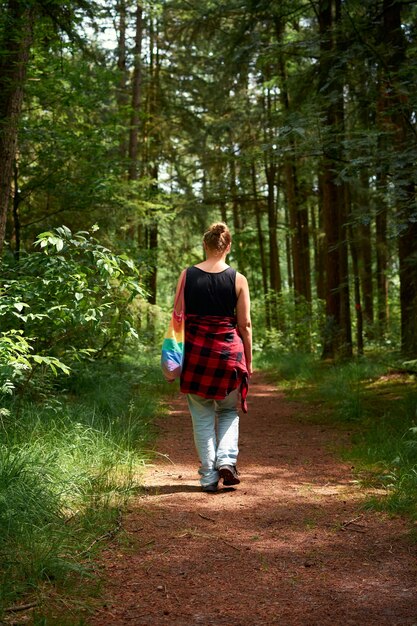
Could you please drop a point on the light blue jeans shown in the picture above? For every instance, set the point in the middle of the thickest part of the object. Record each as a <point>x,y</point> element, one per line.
<point>214,450</point>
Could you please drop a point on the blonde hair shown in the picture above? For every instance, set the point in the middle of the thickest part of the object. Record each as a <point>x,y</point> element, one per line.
<point>217,237</point>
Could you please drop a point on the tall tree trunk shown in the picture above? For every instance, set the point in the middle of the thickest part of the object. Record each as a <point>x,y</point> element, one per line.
<point>362,213</point>
<point>122,92</point>
<point>407,249</point>
<point>16,217</point>
<point>288,254</point>
<point>274,265</point>
<point>136,96</point>
<point>403,176</point>
<point>381,212</point>
<point>365,254</point>
<point>356,275</point>
<point>321,256</point>
<point>153,151</point>
<point>237,217</point>
<point>152,241</point>
<point>300,245</point>
<point>270,169</point>
<point>16,46</point>
<point>357,293</point>
<point>338,337</point>
<point>261,244</point>
<point>223,211</point>
<point>298,215</point>
<point>382,256</point>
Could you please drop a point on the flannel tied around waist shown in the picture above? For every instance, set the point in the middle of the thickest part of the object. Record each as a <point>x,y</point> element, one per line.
<point>214,358</point>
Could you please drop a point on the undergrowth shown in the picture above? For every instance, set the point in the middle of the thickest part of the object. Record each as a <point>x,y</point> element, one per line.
<point>385,447</point>
<point>69,459</point>
<point>377,399</point>
<point>293,369</point>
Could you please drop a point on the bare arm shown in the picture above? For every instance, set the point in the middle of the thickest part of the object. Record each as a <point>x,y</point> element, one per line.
<point>243,317</point>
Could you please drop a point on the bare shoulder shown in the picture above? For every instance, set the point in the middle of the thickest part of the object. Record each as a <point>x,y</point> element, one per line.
<point>241,283</point>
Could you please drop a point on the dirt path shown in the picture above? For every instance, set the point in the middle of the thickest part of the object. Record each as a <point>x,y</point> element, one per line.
<point>289,546</point>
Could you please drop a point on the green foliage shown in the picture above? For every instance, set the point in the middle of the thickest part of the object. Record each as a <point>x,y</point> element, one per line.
<point>68,301</point>
<point>67,465</point>
<point>16,361</point>
<point>71,166</point>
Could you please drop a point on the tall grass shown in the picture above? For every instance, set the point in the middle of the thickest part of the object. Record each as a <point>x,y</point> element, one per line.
<point>344,386</point>
<point>67,464</point>
<point>291,369</point>
<point>386,448</point>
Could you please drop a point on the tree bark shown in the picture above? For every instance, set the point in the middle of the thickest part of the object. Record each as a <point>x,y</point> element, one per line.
<point>288,255</point>
<point>122,92</point>
<point>353,244</point>
<point>357,292</point>
<point>274,269</point>
<point>270,168</point>
<point>237,218</point>
<point>320,257</point>
<point>381,213</point>
<point>407,249</point>
<point>261,244</point>
<point>136,97</point>
<point>274,264</point>
<point>16,216</point>
<point>298,216</point>
<point>338,335</point>
<point>400,115</point>
<point>14,59</point>
<point>152,135</point>
<point>365,254</point>
<point>382,256</point>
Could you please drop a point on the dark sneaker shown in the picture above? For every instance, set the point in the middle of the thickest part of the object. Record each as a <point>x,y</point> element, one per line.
<point>229,474</point>
<point>209,488</point>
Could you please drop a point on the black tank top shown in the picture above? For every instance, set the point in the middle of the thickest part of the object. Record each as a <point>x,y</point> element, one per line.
<point>210,293</point>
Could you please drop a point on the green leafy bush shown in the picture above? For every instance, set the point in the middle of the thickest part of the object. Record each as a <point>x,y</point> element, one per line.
<point>67,300</point>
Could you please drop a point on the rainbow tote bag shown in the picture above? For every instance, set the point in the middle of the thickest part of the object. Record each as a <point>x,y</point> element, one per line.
<point>172,355</point>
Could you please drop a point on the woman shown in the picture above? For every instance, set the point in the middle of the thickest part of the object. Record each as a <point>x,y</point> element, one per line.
<point>218,356</point>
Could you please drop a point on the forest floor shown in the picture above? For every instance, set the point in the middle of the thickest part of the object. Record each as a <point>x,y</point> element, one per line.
<point>290,545</point>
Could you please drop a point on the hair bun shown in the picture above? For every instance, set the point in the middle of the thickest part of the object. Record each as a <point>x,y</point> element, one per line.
<point>217,237</point>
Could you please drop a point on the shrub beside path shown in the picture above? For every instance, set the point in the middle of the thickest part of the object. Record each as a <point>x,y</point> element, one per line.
<point>290,545</point>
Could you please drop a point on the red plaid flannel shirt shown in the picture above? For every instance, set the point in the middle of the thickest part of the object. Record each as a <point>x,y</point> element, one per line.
<point>214,358</point>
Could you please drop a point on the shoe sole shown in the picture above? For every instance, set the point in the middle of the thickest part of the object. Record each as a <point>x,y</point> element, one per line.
<point>229,478</point>
<point>209,489</point>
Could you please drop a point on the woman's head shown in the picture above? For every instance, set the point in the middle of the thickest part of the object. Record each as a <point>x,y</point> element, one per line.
<point>217,238</point>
